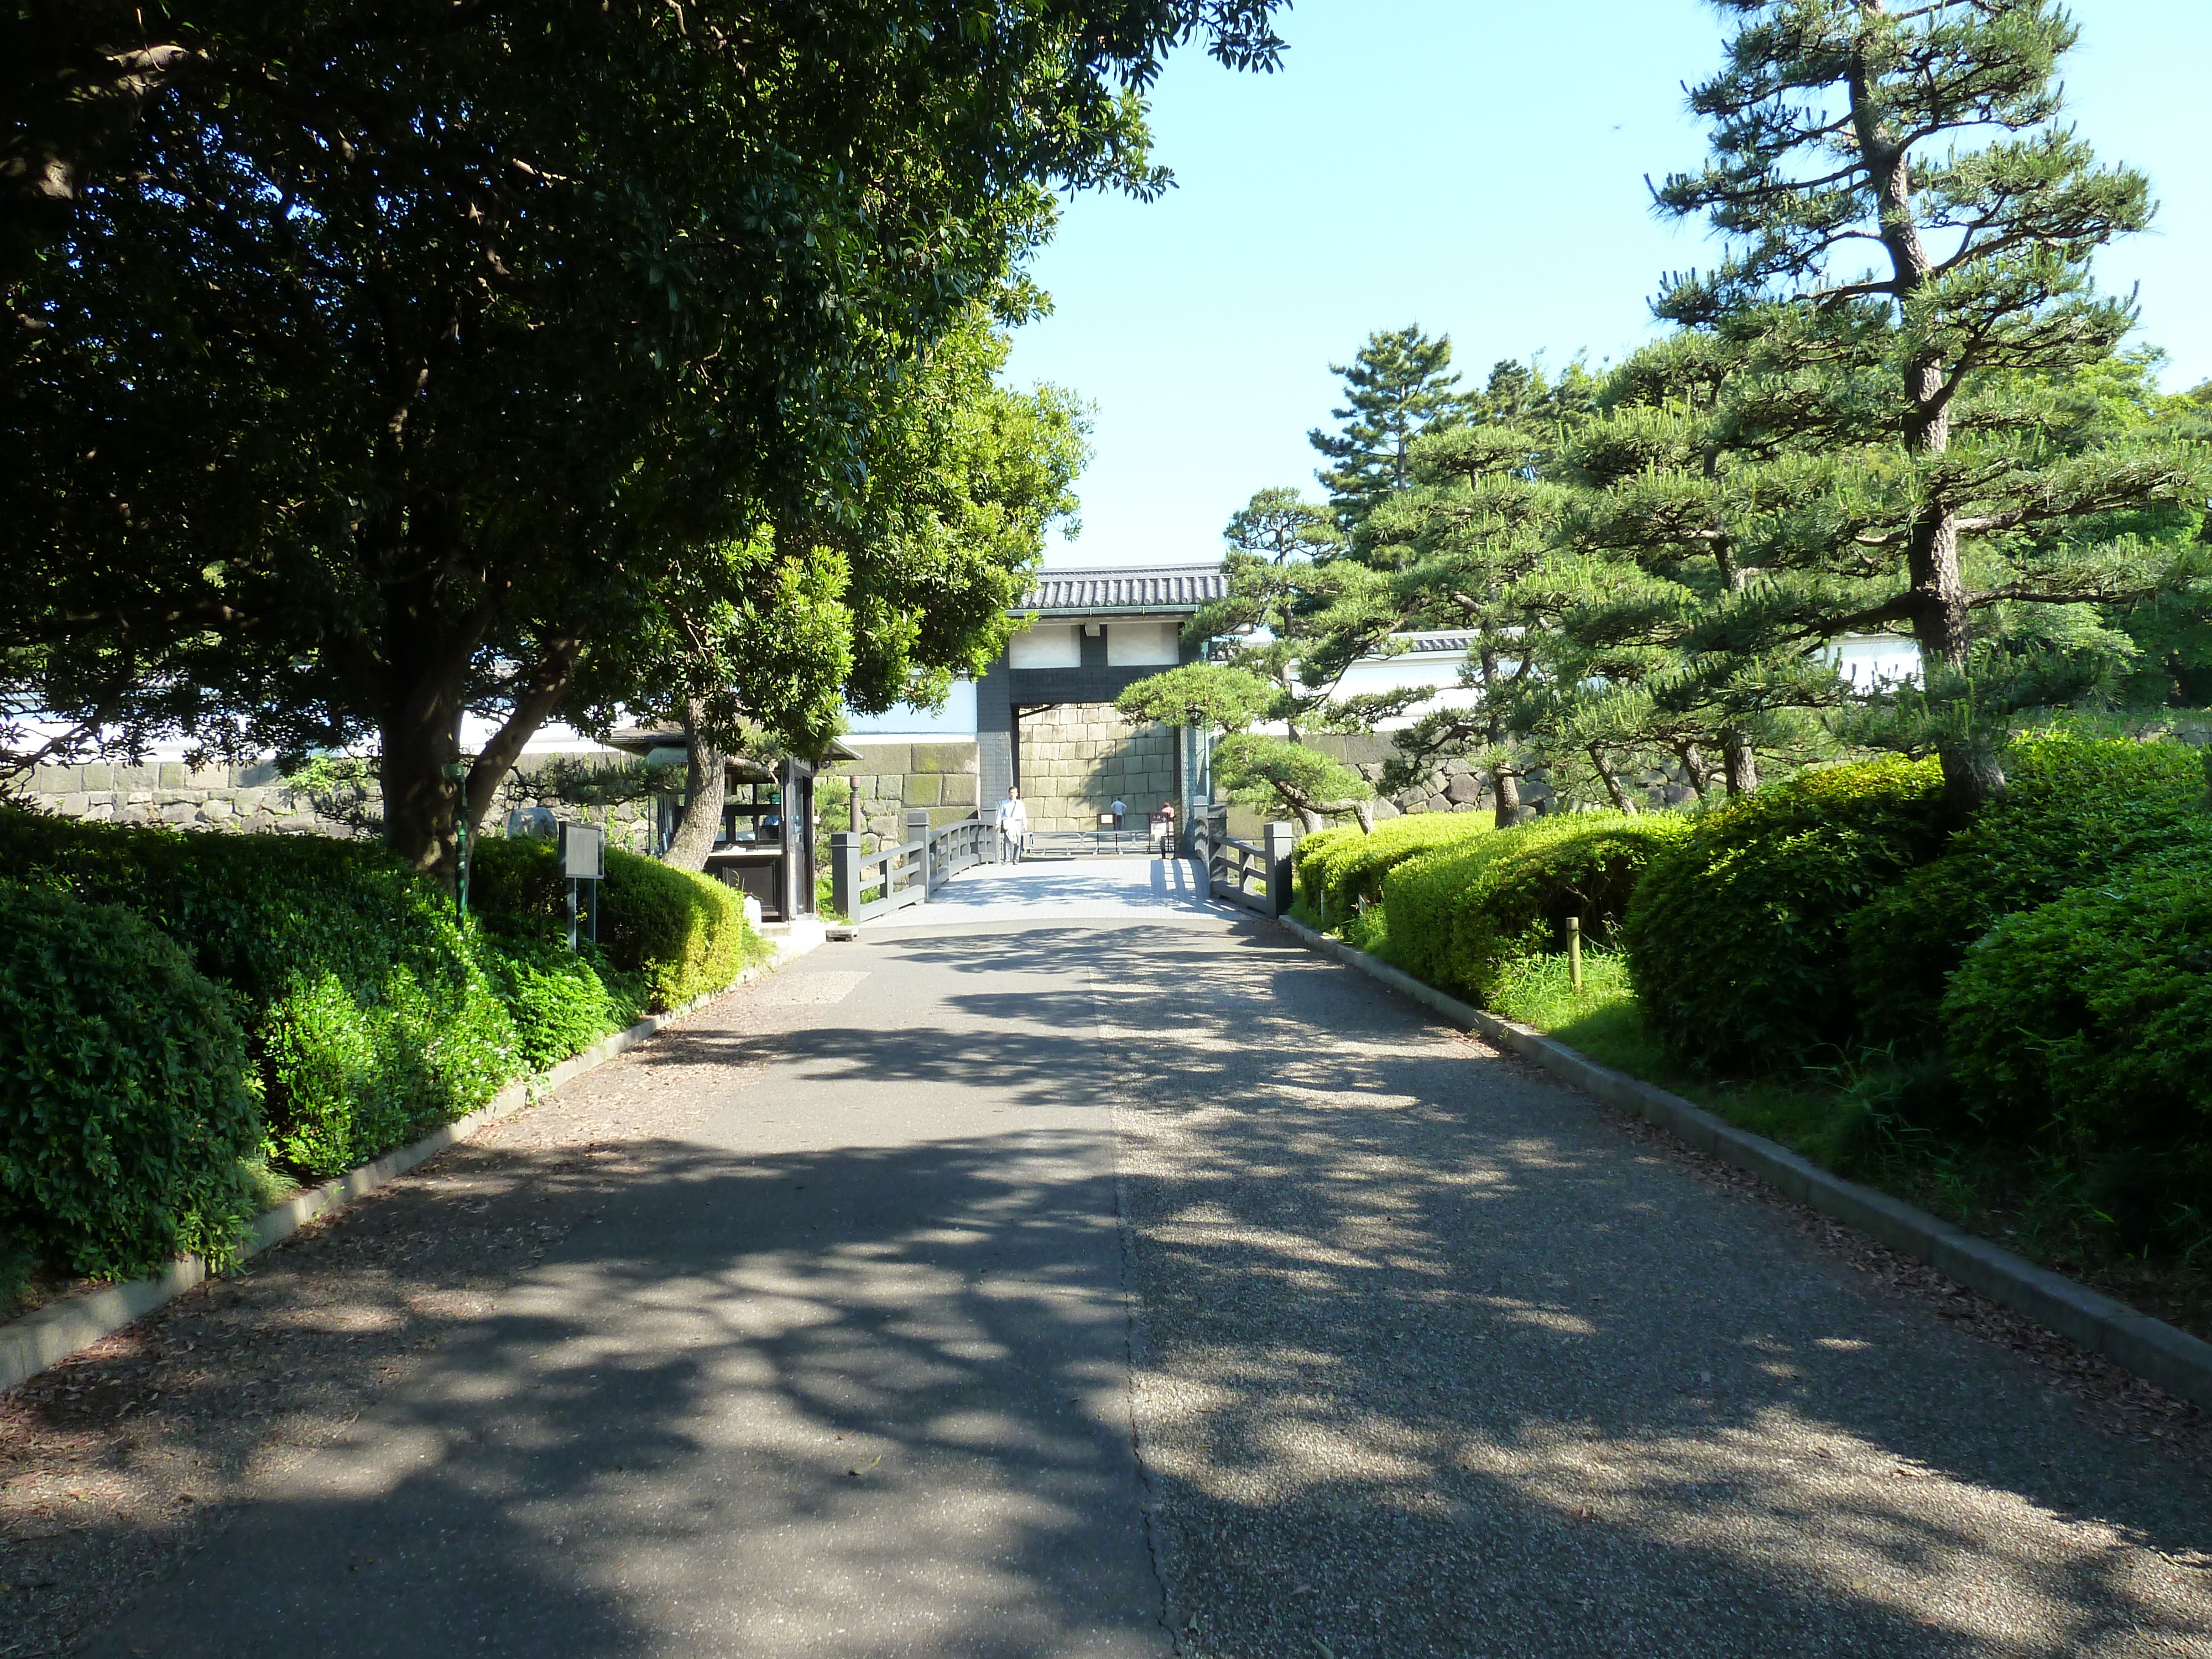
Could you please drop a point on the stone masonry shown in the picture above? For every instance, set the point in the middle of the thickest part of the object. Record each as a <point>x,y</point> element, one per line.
<point>257,799</point>
<point>1077,759</point>
<point>891,778</point>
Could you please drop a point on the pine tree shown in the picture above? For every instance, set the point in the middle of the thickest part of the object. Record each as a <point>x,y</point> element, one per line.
<point>1921,464</point>
<point>1401,386</point>
<point>1660,522</point>
<point>1278,647</point>
<point>1478,523</point>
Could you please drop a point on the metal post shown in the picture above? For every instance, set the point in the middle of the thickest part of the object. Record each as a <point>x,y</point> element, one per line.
<point>572,915</point>
<point>844,871</point>
<point>1279,839</point>
<point>917,829</point>
<point>1575,952</point>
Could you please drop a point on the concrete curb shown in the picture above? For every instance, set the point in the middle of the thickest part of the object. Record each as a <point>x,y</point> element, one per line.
<point>2151,1348</point>
<point>31,1344</point>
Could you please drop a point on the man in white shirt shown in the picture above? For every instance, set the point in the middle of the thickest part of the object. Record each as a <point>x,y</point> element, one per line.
<point>1014,824</point>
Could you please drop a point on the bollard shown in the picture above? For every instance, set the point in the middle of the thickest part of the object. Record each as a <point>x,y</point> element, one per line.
<point>1575,952</point>
<point>1279,839</point>
<point>845,871</point>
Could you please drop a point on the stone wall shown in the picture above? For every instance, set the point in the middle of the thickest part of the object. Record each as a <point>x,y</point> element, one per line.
<point>1077,759</point>
<point>256,798</point>
<point>892,778</point>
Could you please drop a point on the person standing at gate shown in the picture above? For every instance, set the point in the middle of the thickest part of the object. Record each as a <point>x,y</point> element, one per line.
<point>1164,821</point>
<point>1014,824</point>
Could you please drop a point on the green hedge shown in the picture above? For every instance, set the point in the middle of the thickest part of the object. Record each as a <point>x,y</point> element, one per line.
<point>2075,808</point>
<point>684,936</point>
<point>366,1009</point>
<point>129,1104</point>
<point>561,1004</point>
<point>1339,869</point>
<point>2089,1018</point>
<point>1460,914</point>
<point>1736,940</point>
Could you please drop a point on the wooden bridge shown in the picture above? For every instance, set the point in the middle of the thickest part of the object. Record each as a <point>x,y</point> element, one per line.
<point>1218,868</point>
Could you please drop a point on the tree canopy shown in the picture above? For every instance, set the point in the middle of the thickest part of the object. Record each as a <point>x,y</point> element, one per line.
<point>367,366</point>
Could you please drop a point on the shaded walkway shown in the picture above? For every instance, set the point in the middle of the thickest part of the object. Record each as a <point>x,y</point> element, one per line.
<point>834,1358</point>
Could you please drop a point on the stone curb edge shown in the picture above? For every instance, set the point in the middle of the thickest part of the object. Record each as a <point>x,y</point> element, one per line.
<point>37,1340</point>
<point>2151,1348</point>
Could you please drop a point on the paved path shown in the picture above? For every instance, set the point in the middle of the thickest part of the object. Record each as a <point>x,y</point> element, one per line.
<point>1431,1358</point>
<point>1038,889</point>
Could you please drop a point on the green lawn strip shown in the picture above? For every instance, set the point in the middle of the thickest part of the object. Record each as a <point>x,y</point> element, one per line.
<point>1823,1114</point>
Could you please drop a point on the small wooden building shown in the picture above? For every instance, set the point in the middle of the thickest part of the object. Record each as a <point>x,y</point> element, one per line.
<point>765,845</point>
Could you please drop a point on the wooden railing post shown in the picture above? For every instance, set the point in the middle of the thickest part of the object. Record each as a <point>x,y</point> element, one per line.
<point>844,871</point>
<point>1278,840</point>
<point>917,829</point>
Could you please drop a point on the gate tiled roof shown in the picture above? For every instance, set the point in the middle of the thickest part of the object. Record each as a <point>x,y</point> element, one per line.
<point>1161,588</point>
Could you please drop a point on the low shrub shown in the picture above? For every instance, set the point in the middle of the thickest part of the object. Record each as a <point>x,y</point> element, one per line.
<point>2087,1021</point>
<point>1339,870</point>
<point>684,935</point>
<point>367,1013</point>
<point>128,1107</point>
<point>561,1004</point>
<point>2075,808</point>
<point>1736,937</point>
<point>1459,915</point>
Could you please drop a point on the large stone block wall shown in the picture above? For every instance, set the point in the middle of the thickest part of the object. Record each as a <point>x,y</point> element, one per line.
<point>236,799</point>
<point>891,779</point>
<point>1077,759</point>
<point>256,798</point>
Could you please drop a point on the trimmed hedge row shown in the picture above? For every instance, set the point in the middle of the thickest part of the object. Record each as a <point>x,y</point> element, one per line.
<point>2087,1021</point>
<point>1339,870</point>
<point>683,935</point>
<point>1737,941</point>
<point>130,1104</point>
<point>2074,810</point>
<point>1459,914</point>
<point>310,1002</point>
<point>364,1004</point>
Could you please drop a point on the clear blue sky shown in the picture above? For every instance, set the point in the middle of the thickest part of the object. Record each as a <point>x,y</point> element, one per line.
<point>1476,166</point>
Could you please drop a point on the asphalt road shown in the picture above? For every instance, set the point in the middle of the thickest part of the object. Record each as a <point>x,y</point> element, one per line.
<point>1431,1357</point>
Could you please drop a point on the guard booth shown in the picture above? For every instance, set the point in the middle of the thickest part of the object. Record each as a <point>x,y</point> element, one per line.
<point>765,846</point>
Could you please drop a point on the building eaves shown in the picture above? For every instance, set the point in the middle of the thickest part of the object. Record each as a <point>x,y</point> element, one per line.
<point>1135,590</point>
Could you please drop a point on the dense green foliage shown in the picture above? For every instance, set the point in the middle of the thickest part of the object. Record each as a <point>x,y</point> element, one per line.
<point>171,1003</point>
<point>1340,869</point>
<point>2075,810</point>
<point>1921,442</point>
<point>368,1015</point>
<point>2085,1024</point>
<point>1736,940</point>
<point>1461,912</point>
<point>561,1004</point>
<point>761,235</point>
<point>129,1107</point>
<point>684,935</point>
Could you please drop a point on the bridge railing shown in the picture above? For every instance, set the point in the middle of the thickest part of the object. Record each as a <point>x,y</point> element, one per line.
<point>1256,876</point>
<point>959,846</point>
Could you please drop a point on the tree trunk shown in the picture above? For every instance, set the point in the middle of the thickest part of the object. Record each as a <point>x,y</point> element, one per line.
<point>1742,764</point>
<point>419,741</point>
<point>1972,773</point>
<point>419,737</point>
<point>1506,787</point>
<point>1695,771</point>
<point>709,772</point>
<point>540,697</point>
<point>1613,786</point>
